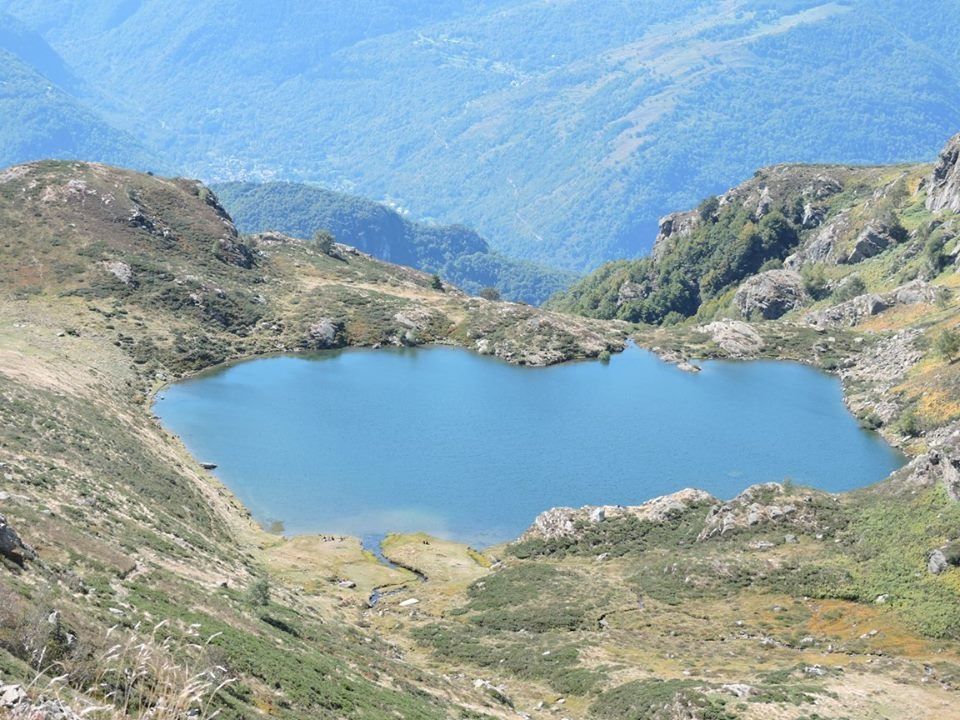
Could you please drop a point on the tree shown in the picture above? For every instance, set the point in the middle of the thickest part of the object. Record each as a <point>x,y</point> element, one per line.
<point>708,208</point>
<point>815,281</point>
<point>324,241</point>
<point>947,344</point>
<point>435,282</point>
<point>258,594</point>
<point>490,293</point>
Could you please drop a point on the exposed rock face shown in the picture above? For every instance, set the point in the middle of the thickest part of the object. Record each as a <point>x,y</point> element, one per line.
<point>734,337</point>
<point>11,546</point>
<point>854,311</point>
<point>234,252</point>
<point>673,226</point>
<point>873,240</point>
<point>770,294</point>
<point>630,291</point>
<point>943,191</point>
<point>823,246</point>
<point>763,504</point>
<point>881,367</point>
<point>563,521</point>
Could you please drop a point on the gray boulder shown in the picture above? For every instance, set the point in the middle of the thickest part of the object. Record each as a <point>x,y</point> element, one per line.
<point>943,185</point>
<point>937,562</point>
<point>11,546</point>
<point>770,294</point>
<point>873,240</point>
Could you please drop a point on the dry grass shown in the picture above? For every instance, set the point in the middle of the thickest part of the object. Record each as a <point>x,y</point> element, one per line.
<point>142,676</point>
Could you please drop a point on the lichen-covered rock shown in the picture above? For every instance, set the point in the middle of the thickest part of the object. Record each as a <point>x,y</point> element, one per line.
<point>563,521</point>
<point>937,562</point>
<point>735,337</point>
<point>943,186</point>
<point>771,294</point>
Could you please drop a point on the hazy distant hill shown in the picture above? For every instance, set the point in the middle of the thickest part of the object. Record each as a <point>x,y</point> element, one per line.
<point>40,115</point>
<point>560,131</point>
<point>456,252</point>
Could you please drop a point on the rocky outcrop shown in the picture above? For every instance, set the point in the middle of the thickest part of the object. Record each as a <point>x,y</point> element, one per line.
<point>879,368</point>
<point>768,504</point>
<point>11,546</point>
<point>16,704</point>
<point>822,248</point>
<point>675,225</point>
<point>325,333</point>
<point>854,311</point>
<point>563,521</point>
<point>234,252</point>
<point>771,294</point>
<point>735,337</point>
<point>943,185</point>
<point>873,240</point>
<point>630,291</point>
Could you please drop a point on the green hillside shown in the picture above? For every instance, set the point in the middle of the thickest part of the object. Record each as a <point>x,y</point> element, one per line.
<point>456,253</point>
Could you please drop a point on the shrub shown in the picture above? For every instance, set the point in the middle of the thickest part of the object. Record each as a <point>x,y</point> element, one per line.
<point>324,241</point>
<point>850,288</point>
<point>258,594</point>
<point>947,344</point>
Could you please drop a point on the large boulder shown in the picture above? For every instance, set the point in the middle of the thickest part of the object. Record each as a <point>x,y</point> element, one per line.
<point>11,546</point>
<point>770,294</point>
<point>734,337</point>
<point>943,185</point>
<point>873,240</point>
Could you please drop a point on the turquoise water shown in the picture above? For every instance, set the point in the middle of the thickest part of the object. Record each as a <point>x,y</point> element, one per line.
<point>468,447</point>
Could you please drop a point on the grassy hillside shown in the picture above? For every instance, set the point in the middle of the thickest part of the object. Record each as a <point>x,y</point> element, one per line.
<point>114,283</point>
<point>561,131</point>
<point>457,253</point>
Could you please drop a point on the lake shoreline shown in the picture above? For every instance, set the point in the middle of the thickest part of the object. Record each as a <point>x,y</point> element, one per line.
<point>263,515</point>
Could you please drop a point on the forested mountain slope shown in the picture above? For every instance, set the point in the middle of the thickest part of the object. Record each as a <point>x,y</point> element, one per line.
<point>560,131</point>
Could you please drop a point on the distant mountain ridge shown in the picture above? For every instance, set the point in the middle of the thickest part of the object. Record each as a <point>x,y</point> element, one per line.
<point>455,252</point>
<point>560,131</point>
